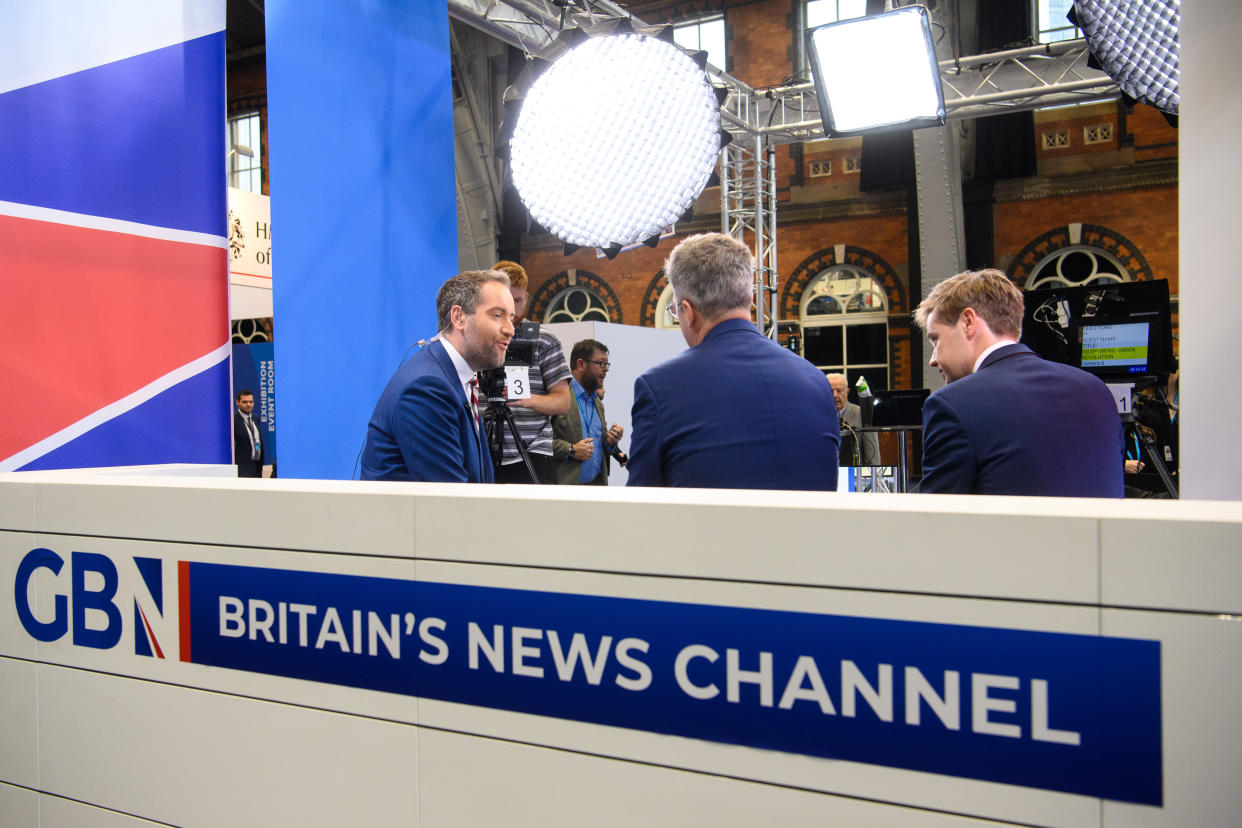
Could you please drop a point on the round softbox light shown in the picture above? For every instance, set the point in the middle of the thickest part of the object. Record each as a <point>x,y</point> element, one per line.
<point>615,141</point>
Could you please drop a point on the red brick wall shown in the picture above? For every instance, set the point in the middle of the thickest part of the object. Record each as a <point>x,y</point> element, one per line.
<point>1073,120</point>
<point>1153,137</point>
<point>758,49</point>
<point>883,235</point>
<point>628,275</point>
<point>1147,217</point>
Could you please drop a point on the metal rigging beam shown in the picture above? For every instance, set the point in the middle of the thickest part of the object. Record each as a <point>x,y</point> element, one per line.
<point>1015,80</point>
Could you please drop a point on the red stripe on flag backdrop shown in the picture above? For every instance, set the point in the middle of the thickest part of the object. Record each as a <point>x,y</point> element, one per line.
<point>90,316</point>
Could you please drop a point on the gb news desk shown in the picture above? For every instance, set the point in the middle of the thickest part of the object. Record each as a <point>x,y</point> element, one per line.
<point>204,651</point>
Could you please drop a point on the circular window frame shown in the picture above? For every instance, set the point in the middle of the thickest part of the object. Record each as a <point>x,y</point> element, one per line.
<point>595,304</point>
<point>1037,281</point>
<point>1034,255</point>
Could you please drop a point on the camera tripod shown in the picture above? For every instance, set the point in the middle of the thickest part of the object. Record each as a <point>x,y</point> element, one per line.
<point>1149,451</point>
<point>496,418</point>
<point>1146,436</point>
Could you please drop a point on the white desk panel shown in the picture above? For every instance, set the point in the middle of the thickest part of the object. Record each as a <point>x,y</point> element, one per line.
<point>19,807</point>
<point>190,757</point>
<point>14,641</point>
<point>19,717</point>
<point>1201,662</point>
<point>56,812</point>
<point>16,504</point>
<point>282,514</point>
<point>899,542</point>
<point>1172,563</point>
<point>537,787</point>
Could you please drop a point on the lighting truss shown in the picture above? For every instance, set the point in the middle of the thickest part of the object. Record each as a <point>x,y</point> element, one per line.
<point>1053,74</point>
<point>531,25</point>
<point>748,204</point>
<point>1010,81</point>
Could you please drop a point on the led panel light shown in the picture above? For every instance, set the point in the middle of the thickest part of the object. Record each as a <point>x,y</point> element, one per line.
<point>615,141</point>
<point>876,72</point>
<point>1136,43</point>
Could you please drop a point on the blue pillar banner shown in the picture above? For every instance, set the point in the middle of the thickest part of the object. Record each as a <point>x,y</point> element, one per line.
<point>254,370</point>
<point>361,136</point>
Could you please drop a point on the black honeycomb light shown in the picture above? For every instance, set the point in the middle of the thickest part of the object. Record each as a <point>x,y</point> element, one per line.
<point>1136,43</point>
<point>615,139</point>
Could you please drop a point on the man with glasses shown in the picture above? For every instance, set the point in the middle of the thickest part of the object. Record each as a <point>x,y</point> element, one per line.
<point>579,442</point>
<point>736,410</point>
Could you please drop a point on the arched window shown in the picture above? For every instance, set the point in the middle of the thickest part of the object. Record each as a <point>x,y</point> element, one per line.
<point>1077,265</point>
<point>663,312</point>
<point>575,295</point>
<point>844,316</point>
<point>247,331</point>
<point>576,304</point>
<point>1078,255</point>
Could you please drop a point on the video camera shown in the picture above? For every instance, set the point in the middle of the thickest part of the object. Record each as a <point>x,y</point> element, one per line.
<point>521,353</point>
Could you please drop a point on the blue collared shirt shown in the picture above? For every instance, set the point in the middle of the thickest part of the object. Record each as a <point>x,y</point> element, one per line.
<point>592,426</point>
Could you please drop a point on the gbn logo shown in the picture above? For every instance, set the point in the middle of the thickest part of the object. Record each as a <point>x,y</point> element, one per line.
<point>91,606</point>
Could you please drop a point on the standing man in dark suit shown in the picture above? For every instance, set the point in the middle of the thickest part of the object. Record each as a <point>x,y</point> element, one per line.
<point>247,444</point>
<point>736,410</point>
<point>580,444</point>
<point>1009,422</point>
<point>426,424</point>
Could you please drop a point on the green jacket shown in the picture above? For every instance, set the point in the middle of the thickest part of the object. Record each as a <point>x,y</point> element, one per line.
<point>567,430</point>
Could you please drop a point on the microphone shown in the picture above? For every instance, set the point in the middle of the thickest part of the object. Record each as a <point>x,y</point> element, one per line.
<point>843,427</point>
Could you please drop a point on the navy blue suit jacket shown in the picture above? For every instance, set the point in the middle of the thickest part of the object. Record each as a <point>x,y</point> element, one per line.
<point>423,429</point>
<point>737,411</point>
<point>1021,425</point>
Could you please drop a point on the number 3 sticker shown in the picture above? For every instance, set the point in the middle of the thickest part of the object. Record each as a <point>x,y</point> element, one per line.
<point>517,378</point>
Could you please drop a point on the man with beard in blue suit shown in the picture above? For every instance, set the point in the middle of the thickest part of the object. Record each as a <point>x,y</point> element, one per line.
<point>1009,422</point>
<point>736,410</point>
<point>426,424</point>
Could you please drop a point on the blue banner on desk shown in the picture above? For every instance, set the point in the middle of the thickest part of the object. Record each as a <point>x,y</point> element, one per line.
<point>1061,712</point>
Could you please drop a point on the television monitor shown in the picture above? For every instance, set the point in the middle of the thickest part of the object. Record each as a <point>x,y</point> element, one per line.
<point>902,407</point>
<point>1114,348</point>
<point>1119,331</point>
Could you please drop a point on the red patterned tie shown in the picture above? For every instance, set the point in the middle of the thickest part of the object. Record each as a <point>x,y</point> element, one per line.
<point>474,401</point>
